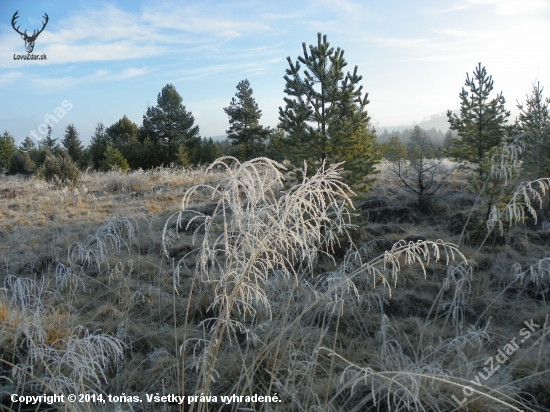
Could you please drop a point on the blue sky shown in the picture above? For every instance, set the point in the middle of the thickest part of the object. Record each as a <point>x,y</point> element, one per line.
<point>110,59</point>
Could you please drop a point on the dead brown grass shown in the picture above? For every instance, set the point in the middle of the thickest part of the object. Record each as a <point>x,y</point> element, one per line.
<point>323,360</point>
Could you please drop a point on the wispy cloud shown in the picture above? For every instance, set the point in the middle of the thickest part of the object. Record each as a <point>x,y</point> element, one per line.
<point>99,76</point>
<point>193,20</point>
<point>509,7</point>
<point>227,69</point>
<point>524,38</point>
<point>515,7</point>
<point>280,16</point>
<point>343,6</point>
<point>10,77</point>
<point>432,11</point>
<point>402,42</point>
<point>111,34</point>
<point>429,49</point>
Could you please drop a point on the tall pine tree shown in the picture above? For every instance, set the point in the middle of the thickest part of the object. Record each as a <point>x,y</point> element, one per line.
<point>98,144</point>
<point>122,132</point>
<point>48,142</point>
<point>534,121</point>
<point>244,128</point>
<point>482,121</point>
<point>7,149</point>
<point>123,135</point>
<point>72,143</point>
<point>169,125</point>
<point>325,117</point>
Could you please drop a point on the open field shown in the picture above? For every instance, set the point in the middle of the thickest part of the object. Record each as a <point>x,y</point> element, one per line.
<point>325,301</point>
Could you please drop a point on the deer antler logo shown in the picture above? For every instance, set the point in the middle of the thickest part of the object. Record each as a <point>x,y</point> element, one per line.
<point>29,40</point>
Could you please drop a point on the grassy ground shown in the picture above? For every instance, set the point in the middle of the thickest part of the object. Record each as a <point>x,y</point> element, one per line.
<point>268,290</point>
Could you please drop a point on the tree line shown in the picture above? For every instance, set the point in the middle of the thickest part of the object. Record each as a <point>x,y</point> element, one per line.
<point>436,135</point>
<point>168,135</point>
<point>323,121</point>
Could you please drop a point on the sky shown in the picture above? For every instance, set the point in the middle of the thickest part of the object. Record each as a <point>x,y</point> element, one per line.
<point>110,59</point>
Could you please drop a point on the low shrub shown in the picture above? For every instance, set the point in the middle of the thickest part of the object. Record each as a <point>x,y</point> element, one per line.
<point>114,160</point>
<point>21,163</point>
<point>60,170</point>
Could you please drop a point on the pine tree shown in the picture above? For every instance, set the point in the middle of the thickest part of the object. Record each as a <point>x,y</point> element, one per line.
<point>123,135</point>
<point>7,149</point>
<point>113,159</point>
<point>72,143</point>
<point>481,125</point>
<point>534,121</point>
<point>447,142</point>
<point>98,144</point>
<point>144,154</point>
<point>385,136</point>
<point>48,142</point>
<point>170,125</point>
<point>225,147</point>
<point>393,150</point>
<point>27,145</point>
<point>276,149</point>
<point>495,189</point>
<point>122,132</point>
<point>360,153</point>
<point>244,128</point>
<point>209,151</point>
<point>325,119</point>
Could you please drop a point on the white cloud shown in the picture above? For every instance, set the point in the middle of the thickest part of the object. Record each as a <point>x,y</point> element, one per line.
<point>228,69</point>
<point>507,7</point>
<point>195,21</point>
<point>345,6</point>
<point>10,77</point>
<point>98,76</point>
<point>514,7</point>
<point>111,34</point>
<point>445,10</point>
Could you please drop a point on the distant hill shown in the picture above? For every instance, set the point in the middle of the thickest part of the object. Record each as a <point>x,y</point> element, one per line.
<point>437,121</point>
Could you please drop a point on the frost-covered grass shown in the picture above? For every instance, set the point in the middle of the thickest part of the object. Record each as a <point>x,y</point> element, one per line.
<point>224,281</point>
